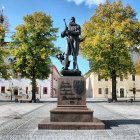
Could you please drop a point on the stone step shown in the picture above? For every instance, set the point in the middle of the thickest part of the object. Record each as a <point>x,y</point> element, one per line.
<point>47,124</point>
<point>71,109</point>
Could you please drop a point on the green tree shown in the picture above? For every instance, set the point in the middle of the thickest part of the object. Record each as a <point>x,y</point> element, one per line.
<point>3,29</point>
<point>112,32</point>
<point>32,47</point>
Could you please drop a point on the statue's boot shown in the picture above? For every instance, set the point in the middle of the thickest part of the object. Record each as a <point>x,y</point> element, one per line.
<point>74,66</point>
<point>68,64</point>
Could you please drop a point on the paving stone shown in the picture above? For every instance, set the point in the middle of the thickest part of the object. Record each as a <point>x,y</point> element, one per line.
<point>120,125</point>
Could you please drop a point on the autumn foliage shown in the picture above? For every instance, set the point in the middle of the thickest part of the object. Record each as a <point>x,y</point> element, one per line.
<point>112,33</point>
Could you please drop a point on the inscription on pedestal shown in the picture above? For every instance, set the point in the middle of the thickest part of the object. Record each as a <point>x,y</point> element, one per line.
<point>71,91</point>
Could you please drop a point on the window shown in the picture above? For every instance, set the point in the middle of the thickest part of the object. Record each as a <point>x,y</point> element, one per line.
<point>15,91</point>
<point>121,92</point>
<point>100,90</point>
<point>106,90</point>
<point>99,77</point>
<point>26,90</point>
<point>133,77</point>
<point>2,89</point>
<point>134,90</point>
<point>121,78</point>
<point>44,90</point>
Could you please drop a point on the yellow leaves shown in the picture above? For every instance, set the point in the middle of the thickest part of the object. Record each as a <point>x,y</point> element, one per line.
<point>96,40</point>
<point>87,28</point>
<point>106,47</point>
<point>125,24</point>
<point>98,57</point>
<point>109,32</point>
<point>2,33</point>
<point>2,29</point>
<point>85,47</point>
<point>39,21</point>
<point>20,33</point>
<point>130,12</point>
<point>116,25</point>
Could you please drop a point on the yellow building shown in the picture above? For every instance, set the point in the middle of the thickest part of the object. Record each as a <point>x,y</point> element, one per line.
<point>102,88</point>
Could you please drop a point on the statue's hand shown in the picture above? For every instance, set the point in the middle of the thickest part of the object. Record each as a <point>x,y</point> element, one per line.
<point>67,33</point>
<point>63,34</point>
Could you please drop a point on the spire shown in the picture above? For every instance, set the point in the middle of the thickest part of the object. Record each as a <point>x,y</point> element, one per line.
<point>1,15</point>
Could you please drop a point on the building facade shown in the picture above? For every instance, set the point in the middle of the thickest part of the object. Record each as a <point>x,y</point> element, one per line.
<point>102,88</point>
<point>54,82</point>
<point>21,87</point>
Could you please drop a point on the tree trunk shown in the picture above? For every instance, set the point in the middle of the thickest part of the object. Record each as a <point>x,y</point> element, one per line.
<point>33,90</point>
<point>114,97</point>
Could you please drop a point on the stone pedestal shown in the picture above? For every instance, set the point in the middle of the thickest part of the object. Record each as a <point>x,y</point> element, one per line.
<point>71,114</point>
<point>71,111</point>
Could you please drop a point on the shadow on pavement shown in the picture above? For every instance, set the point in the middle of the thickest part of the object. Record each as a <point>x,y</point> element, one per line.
<point>115,123</point>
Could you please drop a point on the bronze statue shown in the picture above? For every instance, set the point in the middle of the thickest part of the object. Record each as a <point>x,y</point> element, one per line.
<point>72,33</point>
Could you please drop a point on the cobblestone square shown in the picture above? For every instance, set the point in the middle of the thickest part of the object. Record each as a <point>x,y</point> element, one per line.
<point>19,121</point>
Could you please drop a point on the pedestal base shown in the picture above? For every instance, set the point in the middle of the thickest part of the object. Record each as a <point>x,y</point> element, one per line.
<point>70,113</point>
<point>71,73</point>
<point>47,124</point>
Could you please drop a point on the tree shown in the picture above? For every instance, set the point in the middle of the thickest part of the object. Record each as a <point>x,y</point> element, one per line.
<point>3,29</point>
<point>32,47</point>
<point>111,33</point>
<point>138,66</point>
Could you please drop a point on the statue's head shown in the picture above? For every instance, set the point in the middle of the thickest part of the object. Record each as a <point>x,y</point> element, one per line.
<point>72,19</point>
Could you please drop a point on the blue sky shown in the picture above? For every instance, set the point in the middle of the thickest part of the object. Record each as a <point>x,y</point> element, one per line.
<point>58,9</point>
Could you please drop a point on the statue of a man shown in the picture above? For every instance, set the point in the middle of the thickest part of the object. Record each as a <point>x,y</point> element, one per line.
<point>72,33</point>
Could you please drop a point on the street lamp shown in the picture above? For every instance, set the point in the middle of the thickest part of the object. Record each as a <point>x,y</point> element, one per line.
<point>11,87</point>
<point>11,91</point>
<point>40,92</point>
<point>126,94</point>
<point>134,90</point>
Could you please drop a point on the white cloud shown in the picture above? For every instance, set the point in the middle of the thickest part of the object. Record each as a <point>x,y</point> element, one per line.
<point>77,2</point>
<point>87,2</point>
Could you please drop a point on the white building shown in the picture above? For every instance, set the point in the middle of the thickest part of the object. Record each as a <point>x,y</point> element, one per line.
<point>21,88</point>
<point>102,88</point>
